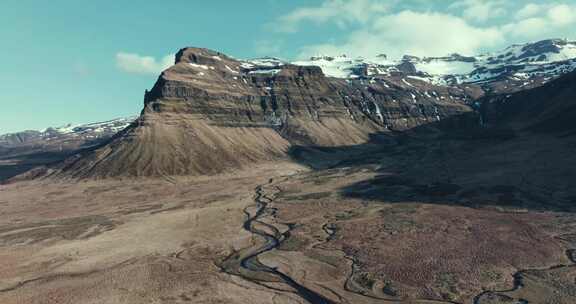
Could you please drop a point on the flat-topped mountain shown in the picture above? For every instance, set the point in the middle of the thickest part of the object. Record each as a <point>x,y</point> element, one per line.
<point>209,113</point>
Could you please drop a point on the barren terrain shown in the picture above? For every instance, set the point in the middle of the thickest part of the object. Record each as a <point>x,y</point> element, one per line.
<point>419,218</point>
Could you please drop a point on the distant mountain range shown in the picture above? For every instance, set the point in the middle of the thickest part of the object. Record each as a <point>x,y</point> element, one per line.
<point>63,139</point>
<point>546,58</point>
<point>84,131</point>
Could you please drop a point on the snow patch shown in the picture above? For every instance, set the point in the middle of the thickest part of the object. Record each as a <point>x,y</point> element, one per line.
<point>270,71</point>
<point>407,83</point>
<point>231,70</point>
<point>199,66</point>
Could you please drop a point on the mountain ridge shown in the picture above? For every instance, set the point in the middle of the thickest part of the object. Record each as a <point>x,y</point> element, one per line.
<point>107,126</point>
<point>522,61</point>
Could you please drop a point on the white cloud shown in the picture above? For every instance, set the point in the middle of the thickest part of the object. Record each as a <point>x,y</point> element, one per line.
<point>138,64</point>
<point>341,12</point>
<point>529,10</point>
<point>530,27</point>
<point>414,28</point>
<point>562,14</point>
<point>414,33</point>
<point>480,10</point>
<point>535,21</point>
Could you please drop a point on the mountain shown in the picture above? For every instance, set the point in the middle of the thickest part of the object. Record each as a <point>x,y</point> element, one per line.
<point>65,134</point>
<point>523,63</point>
<point>550,108</point>
<point>514,68</point>
<point>25,150</point>
<point>60,140</point>
<point>211,113</point>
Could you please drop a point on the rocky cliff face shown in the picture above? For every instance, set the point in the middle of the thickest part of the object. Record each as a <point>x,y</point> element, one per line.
<point>211,113</point>
<point>284,96</point>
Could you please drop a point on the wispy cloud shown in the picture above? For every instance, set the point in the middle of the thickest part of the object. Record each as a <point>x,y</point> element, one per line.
<point>145,65</point>
<point>529,10</point>
<point>414,33</point>
<point>542,20</point>
<point>481,10</point>
<point>341,12</point>
<point>367,27</point>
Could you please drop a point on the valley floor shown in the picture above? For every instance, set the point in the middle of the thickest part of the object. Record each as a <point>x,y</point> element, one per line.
<point>409,221</point>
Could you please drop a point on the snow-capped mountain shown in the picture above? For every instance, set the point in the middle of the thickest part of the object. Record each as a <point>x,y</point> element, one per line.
<point>85,132</point>
<point>544,59</point>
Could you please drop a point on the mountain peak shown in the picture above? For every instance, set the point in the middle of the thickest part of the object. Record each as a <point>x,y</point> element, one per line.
<point>546,46</point>
<point>198,55</point>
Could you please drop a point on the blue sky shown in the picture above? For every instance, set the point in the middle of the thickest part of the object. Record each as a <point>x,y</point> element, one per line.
<point>84,61</point>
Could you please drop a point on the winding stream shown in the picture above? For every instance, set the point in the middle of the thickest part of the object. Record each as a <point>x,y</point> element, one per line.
<point>248,257</point>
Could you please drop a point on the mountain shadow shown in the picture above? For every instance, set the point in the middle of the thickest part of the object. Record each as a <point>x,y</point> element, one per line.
<point>458,162</point>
